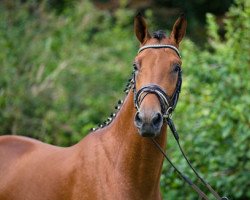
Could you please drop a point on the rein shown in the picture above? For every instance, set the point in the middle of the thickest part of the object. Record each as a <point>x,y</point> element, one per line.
<point>168,105</point>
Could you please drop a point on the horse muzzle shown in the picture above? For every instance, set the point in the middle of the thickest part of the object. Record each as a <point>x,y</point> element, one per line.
<point>148,125</point>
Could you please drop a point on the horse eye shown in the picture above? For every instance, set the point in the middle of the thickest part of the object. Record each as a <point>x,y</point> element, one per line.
<point>135,66</point>
<point>177,68</point>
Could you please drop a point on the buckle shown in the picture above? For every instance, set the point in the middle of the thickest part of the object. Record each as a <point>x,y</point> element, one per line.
<point>168,113</point>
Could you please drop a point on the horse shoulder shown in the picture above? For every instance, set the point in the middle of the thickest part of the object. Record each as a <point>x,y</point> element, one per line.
<point>13,147</point>
<point>31,168</point>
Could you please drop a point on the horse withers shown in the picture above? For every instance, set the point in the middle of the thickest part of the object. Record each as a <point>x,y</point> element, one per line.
<point>116,161</point>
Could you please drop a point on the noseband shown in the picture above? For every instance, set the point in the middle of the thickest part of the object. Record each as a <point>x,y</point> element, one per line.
<point>168,103</point>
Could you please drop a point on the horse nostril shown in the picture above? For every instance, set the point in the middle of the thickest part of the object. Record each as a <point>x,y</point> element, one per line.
<point>138,119</point>
<point>147,125</point>
<point>157,120</point>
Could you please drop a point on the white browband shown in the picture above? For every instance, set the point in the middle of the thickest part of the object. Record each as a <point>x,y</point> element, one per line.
<point>156,46</point>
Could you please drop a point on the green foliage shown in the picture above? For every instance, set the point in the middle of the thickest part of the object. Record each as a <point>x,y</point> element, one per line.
<point>213,113</point>
<point>62,74</point>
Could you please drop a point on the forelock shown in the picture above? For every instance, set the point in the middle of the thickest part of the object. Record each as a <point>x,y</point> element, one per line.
<point>160,34</point>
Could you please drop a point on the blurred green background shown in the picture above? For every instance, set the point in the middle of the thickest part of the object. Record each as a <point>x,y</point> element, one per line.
<point>64,64</point>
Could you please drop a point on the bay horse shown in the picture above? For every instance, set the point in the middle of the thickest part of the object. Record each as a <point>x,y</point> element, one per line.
<point>116,161</point>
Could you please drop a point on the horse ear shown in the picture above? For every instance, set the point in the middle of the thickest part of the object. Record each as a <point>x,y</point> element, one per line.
<point>179,29</point>
<point>140,28</point>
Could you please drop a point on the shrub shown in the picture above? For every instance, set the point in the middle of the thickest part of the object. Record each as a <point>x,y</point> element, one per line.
<point>61,73</point>
<point>213,112</point>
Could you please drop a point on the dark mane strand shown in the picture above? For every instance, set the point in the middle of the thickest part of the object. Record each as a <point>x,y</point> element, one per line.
<point>160,34</point>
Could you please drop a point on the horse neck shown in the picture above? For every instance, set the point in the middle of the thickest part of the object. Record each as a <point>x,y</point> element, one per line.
<point>138,160</point>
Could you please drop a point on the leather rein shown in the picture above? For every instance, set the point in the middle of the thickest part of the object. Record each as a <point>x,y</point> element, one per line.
<point>168,105</point>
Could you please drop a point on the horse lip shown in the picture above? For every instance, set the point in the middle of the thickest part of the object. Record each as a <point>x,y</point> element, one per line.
<point>148,131</point>
<point>151,135</point>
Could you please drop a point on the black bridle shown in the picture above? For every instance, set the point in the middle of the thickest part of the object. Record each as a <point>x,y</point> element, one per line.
<point>168,104</point>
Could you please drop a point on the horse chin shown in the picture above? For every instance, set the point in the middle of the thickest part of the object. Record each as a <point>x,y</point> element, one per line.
<point>149,133</point>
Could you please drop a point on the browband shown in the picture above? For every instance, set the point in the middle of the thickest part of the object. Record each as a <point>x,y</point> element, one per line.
<point>157,46</point>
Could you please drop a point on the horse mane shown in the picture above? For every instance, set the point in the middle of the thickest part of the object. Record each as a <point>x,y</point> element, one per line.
<point>160,34</point>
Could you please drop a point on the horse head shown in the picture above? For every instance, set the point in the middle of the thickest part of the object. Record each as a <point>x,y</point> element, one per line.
<point>157,75</point>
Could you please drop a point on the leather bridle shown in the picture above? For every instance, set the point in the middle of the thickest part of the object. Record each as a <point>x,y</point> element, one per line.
<point>168,104</point>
